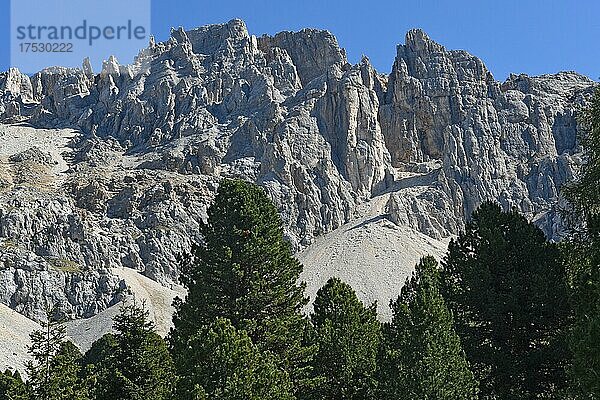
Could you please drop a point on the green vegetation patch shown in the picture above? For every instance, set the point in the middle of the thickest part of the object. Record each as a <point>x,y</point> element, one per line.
<point>64,265</point>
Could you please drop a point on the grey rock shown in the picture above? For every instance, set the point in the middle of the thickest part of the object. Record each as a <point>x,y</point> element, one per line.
<point>439,134</point>
<point>312,51</point>
<point>33,154</point>
<point>492,138</point>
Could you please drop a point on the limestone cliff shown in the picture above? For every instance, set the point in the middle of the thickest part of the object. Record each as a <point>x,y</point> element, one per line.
<point>134,153</point>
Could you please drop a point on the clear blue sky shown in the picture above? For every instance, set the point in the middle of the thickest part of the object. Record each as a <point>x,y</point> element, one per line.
<point>534,37</point>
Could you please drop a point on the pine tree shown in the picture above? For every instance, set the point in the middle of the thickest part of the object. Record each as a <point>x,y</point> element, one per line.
<point>585,334</point>
<point>102,351</point>
<point>506,286</point>
<point>584,193</point>
<point>98,362</point>
<point>67,367</point>
<point>584,254</point>
<point>222,363</point>
<point>139,367</point>
<point>54,371</point>
<point>347,335</point>
<point>422,357</point>
<point>244,271</point>
<point>12,386</point>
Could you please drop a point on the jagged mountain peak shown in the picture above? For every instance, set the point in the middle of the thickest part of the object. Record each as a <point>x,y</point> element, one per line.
<point>418,41</point>
<point>209,38</point>
<point>130,179</point>
<point>561,83</point>
<point>312,51</point>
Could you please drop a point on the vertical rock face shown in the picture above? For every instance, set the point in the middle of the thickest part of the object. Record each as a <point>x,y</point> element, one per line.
<point>438,136</point>
<point>348,119</point>
<point>312,51</point>
<point>503,142</point>
<point>15,90</point>
<point>13,83</point>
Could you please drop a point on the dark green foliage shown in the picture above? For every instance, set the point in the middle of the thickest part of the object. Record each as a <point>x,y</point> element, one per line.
<point>223,364</point>
<point>244,271</point>
<point>12,386</point>
<point>585,336</point>
<point>102,351</point>
<point>584,254</point>
<point>584,194</point>
<point>134,364</point>
<point>67,365</point>
<point>506,286</point>
<point>422,357</point>
<point>54,370</point>
<point>98,361</point>
<point>347,335</point>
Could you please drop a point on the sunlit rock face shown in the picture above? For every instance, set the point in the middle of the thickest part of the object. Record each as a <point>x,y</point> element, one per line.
<point>512,142</point>
<point>126,161</point>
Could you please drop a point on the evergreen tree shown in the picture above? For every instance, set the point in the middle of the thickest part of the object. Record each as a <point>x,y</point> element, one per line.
<point>584,193</point>
<point>134,364</point>
<point>102,351</point>
<point>584,254</point>
<point>67,364</point>
<point>222,363</point>
<point>585,334</point>
<point>98,362</point>
<point>506,286</point>
<point>12,386</point>
<point>54,370</point>
<point>422,357</point>
<point>347,335</point>
<point>245,271</point>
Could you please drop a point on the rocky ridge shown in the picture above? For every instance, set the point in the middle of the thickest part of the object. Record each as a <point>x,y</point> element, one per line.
<point>134,153</point>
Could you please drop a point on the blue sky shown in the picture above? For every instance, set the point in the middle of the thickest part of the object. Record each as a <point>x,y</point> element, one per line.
<point>527,36</point>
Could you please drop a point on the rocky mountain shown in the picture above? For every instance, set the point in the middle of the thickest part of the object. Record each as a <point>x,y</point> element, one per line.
<point>116,169</point>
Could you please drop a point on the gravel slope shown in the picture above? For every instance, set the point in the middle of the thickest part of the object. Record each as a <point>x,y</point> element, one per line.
<point>156,298</point>
<point>16,328</point>
<point>372,254</point>
<point>14,338</point>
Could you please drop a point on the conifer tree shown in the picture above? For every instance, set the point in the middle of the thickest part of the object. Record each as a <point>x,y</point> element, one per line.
<point>584,254</point>
<point>506,286</point>
<point>222,363</point>
<point>54,371</point>
<point>139,366</point>
<point>584,193</point>
<point>12,386</point>
<point>347,336</point>
<point>101,352</point>
<point>67,365</point>
<point>98,362</point>
<point>245,271</point>
<point>585,298</point>
<point>422,357</point>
